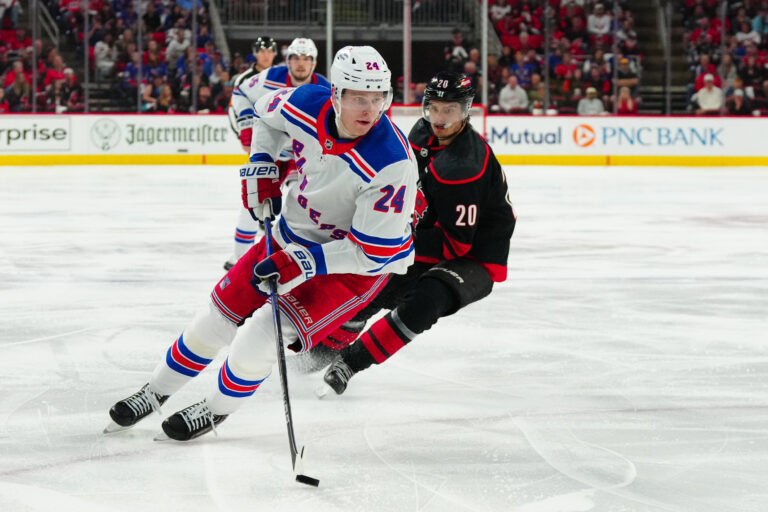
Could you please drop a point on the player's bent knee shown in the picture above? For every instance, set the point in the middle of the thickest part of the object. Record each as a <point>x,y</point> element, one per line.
<point>467,280</point>
<point>253,353</point>
<point>425,304</point>
<point>209,332</point>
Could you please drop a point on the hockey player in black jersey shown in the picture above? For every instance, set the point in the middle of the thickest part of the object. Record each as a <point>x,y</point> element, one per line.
<point>464,223</point>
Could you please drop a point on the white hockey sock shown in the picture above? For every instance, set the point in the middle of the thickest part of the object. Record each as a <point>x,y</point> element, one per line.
<point>246,232</point>
<point>192,351</point>
<point>232,389</point>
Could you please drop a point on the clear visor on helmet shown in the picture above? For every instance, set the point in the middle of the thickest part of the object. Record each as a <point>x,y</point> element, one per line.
<point>445,113</point>
<point>376,102</point>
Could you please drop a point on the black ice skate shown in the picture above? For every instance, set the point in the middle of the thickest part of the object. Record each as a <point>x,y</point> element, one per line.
<point>230,263</point>
<point>338,376</point>
<point>129,411</point>
<point>192,422</point>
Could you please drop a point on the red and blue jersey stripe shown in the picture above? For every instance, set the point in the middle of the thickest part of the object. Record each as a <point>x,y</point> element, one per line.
<point>300,118</point>
<point>382,250</point>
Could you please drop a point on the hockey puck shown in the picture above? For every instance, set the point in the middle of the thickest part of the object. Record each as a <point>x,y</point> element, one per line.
<point>308,480</point>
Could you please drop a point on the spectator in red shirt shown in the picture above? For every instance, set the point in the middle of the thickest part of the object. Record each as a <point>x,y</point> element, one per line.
<point>627,105</point>
<point>22,41</point>
<point>17,68</point>
<point>568,64</point>
<point>705,28</point>
<point>56,72</point>
<point>705,66</point>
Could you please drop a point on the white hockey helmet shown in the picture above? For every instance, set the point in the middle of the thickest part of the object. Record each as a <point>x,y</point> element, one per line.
<point>361,68</point>
<point>302,46</point>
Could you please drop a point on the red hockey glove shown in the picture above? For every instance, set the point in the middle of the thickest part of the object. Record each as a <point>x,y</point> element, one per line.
<point>245,136</point>
<point>261,189</point>
<point>291,266</point>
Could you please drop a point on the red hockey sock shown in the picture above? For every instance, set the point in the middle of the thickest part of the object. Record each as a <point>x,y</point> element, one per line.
<point>383,339</point>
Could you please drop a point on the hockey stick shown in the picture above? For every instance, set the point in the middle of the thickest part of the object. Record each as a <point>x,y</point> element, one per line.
<point>296,455</point>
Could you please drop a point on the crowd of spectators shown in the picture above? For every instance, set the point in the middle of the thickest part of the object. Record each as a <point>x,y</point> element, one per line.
<point>162,65</point>
<point>158,71</point>
<point>592,64</point>
<point>728,56</point>
<point>54,89</point>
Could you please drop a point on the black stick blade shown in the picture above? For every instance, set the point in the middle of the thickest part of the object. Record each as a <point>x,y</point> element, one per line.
<point>308,480</point>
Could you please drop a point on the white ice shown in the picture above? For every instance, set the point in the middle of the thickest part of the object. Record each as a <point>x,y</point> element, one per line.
<point>623,367</point>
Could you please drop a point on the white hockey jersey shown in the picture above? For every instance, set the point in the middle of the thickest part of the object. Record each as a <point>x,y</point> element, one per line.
<point>353,200</point>
<point>250,86</point>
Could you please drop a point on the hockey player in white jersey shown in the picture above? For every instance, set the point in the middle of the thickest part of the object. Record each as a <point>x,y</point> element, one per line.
<point>301,59</point>
<point>264,51</point>
<point>344,227</point>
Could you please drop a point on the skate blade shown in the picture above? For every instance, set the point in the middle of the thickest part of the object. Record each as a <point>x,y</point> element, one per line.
<point>323,391</point>
<point>160,438</point>
<point>114,427</point>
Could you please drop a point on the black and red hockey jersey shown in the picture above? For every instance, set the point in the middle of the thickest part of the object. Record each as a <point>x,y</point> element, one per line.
<point>468,212</point>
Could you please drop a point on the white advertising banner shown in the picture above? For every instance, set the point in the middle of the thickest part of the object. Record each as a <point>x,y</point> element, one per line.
<point>35,134</point>
<point>153,134</point>
<point>678,136</point>
<point>564,140</point>
<point>118,134</point>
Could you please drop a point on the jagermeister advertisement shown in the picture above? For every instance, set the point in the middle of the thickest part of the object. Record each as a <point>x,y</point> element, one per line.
<point>148,134</point>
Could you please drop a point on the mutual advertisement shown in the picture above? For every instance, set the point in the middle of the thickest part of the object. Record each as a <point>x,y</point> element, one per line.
<point>35,134</point>
<point>680,136</point>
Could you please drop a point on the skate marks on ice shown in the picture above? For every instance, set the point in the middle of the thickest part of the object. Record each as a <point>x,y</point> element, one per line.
<point>630,334</point>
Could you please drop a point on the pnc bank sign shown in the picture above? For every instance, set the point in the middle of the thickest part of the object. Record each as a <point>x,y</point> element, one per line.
<point>604,134</point>
<point>586,135</point>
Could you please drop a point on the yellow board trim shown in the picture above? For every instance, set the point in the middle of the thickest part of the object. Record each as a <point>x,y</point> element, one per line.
<point>103,159</point>
<point>638,160</point>
<point>590,160</point>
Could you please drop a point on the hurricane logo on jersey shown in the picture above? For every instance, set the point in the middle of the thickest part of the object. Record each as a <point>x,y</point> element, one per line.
<point>105,134</point>
<point>328,144</point>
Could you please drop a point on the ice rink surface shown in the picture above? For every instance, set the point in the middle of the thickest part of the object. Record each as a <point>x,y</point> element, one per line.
<point>623,367</point>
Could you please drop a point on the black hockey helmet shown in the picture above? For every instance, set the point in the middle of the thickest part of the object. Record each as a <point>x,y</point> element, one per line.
<point>264,43</point>
<point>451,87</point>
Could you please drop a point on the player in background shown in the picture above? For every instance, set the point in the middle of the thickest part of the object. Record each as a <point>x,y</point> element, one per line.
<point>345,227</point>
<point>263,50</point>
<point>301,59</point>
<point>464,225</point>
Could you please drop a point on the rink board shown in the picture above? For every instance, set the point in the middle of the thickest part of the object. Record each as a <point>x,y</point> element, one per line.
<point>516,140</point>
